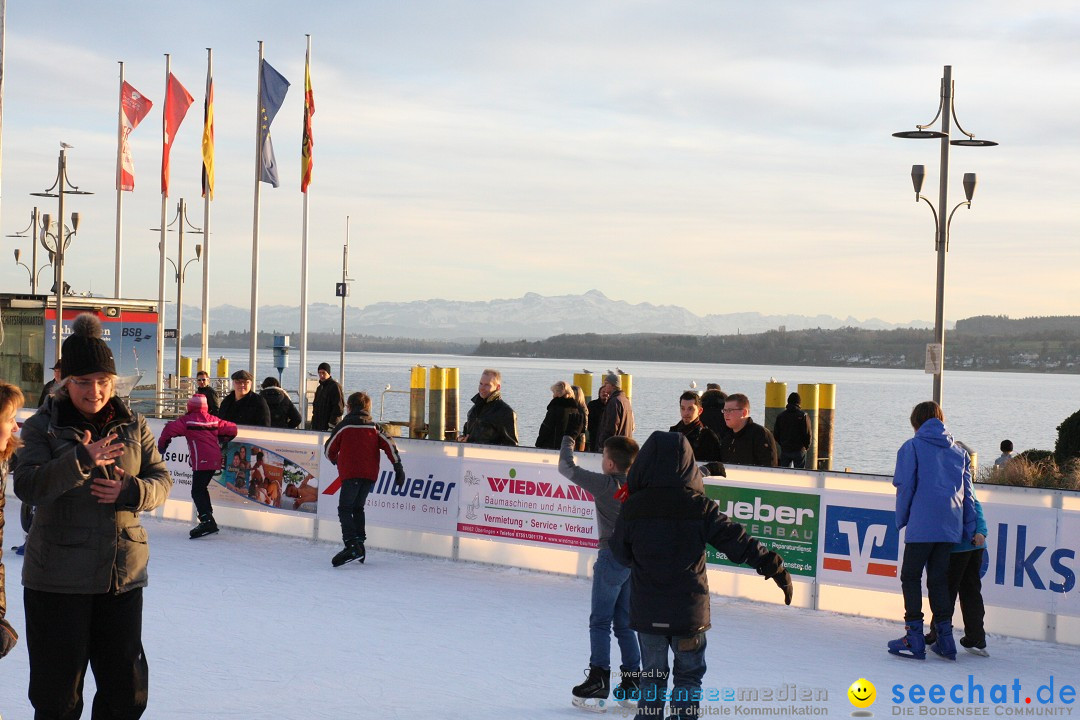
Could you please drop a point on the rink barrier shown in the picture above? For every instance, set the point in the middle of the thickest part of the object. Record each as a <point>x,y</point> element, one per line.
<point>510,507</point>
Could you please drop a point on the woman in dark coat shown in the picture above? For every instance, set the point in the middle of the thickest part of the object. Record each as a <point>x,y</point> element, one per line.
<point>559,410</point>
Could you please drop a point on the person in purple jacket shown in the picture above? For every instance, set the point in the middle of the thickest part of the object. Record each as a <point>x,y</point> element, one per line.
<point>204,434</point>
<point>935,502</point>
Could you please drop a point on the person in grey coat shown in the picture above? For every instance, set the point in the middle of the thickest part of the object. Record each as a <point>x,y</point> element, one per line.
<point>611,580</point>
<point>89,466</point>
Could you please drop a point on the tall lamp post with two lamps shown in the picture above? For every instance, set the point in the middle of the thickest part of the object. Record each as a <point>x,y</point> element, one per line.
<point>61,186</point>
<point>36,234</point>
<point>947,113</point>
<point>180,221</point>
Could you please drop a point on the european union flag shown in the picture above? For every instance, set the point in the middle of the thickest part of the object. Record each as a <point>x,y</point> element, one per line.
<point>272,89</point>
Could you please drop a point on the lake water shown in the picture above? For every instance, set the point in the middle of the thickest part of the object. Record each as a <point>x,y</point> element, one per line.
<point>872,405</point>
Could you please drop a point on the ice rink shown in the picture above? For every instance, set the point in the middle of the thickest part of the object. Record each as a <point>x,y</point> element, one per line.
<point>248,625</point>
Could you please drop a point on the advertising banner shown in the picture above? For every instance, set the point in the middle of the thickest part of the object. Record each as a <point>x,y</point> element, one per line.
<point>524,502</point>
<point>428,500</point>
<point>786,522</point>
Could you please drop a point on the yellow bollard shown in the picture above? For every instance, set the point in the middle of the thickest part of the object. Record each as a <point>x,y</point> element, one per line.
<point>185,366</point>
<point>584,381</point>
<point>436,404</point>
<point>810,397</point>
<point>222,367</point>
<point>627,385</point>
<point>204,365</point>
<point>826,418</point>
<point>453,415</point>
<point>417,400</point>
<point>775,402</point>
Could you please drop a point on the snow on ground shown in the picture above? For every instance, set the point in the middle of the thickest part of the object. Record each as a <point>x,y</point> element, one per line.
<point>248,625</point>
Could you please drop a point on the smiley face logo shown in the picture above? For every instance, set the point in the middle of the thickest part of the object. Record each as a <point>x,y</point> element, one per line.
<point>862,693</point>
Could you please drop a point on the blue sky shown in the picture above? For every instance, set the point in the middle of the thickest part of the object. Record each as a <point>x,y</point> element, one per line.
<point>723,156</point>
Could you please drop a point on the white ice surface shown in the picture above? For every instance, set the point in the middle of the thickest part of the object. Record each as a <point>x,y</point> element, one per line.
<point>247,625</point>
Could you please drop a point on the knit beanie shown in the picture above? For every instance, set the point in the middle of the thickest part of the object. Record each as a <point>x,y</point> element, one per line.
<point>197,403</point>
<point>613,380</point>
<point>84,352</point>
<point>325,366</point>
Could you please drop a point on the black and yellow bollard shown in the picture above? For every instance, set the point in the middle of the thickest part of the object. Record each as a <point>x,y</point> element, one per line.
<point>809,395</point>
<point>436,403</point>
<point>453,415</point>
<point>584,381</point>
<point>417,401</point>
<point>626,381</point>
<point>775,401</point>
<point>826,417</point>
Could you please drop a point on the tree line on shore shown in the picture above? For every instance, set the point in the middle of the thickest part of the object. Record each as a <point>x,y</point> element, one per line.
<point>1039,344</point>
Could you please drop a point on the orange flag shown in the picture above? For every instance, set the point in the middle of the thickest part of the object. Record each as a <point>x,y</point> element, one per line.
<point>177,102</point>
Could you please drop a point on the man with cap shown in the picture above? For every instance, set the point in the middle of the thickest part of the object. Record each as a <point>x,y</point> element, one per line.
<point>242,406</point>
<point>51,384</point>
<point>89,465</point>
<point>792,433</point>
<point>618,418</point>
<point>329,401</point>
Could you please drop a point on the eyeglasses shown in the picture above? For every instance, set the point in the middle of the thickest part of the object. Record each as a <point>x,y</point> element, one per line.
<point>202,379</point>
<point>103,383</point>
<point>730,411</point>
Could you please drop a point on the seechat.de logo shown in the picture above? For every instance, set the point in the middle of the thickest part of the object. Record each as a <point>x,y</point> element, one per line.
<point>861,541</point>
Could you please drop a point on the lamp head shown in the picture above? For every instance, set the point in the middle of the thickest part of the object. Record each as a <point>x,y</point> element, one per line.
<point>46,220</point>
<point>918,174</point>
<point>969,185</point>
<point>74,222</point>
<point>17,253</point>
<point>198,252</point>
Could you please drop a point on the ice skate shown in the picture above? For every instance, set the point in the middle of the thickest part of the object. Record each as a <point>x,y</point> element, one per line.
<point>354,550</point>
<point>975,647</point>
<point>629,690</point>
<point>913,644</point>
<point>944,647</point>
<point>592,695</point>
<point>206,526</point>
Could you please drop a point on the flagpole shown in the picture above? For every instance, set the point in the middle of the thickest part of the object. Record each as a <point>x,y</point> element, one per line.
<point>160,368</point>
<point>304,252</point>
<point>254,330</point>
<point>119,174</point>
<point>204,356</point>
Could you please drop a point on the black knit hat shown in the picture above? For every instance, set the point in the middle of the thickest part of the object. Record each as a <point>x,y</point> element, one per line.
<point>84,352</point>
<point>325,366</point>
<point>243,375</point>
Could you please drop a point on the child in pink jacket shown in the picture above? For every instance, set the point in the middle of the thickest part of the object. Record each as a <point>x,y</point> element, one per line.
<point>204,433</point>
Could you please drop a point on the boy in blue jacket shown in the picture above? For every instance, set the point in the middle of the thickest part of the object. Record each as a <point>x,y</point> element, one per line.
<point>934,501</point>
<point>965,564</point>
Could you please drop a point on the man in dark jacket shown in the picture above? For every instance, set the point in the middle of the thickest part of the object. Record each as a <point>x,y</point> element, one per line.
<point>618,418</point>
<point>661,535</point>
<point>490,421</point>
<point>749,443</point>
<point>703,440</point>
<point>596,415</point>
<point>203,387</point>
<point>242,406</point>
<point>329,401</point>
<point>45,391</point>
<point>283,413</point>
<point>712,411</point>
<point>793,434</point>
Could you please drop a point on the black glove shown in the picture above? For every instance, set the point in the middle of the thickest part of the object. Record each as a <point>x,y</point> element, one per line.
<point>399,474</point>
<point>574,424</point>
<point>8,637</point>
<point>715,469</point>
<point>772,567</point>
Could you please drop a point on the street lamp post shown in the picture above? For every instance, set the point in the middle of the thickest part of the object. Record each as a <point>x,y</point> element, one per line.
<point>343,290</point>
<point>947,113</point>
<point>62,187</point>
<point>180,271</point>
<point>34,229</point>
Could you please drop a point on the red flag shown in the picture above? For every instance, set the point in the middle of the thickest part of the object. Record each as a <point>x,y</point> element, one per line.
<point>134,106</point>
<point>177,102</point>
<point>306,161</point>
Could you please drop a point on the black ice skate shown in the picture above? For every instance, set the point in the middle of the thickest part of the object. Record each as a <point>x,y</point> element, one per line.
<point>206,526</point>
<point>592,694</point>
<point>629,690</point>
<point>354,550</point>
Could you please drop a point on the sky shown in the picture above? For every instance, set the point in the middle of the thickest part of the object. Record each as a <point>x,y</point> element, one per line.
<point>717,155</point>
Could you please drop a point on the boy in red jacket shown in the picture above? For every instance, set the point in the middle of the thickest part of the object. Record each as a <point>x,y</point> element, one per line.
<point>354,447</point>
<point>204,434</point>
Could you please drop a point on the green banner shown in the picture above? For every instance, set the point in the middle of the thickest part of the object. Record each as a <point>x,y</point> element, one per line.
<point>786,522</point>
